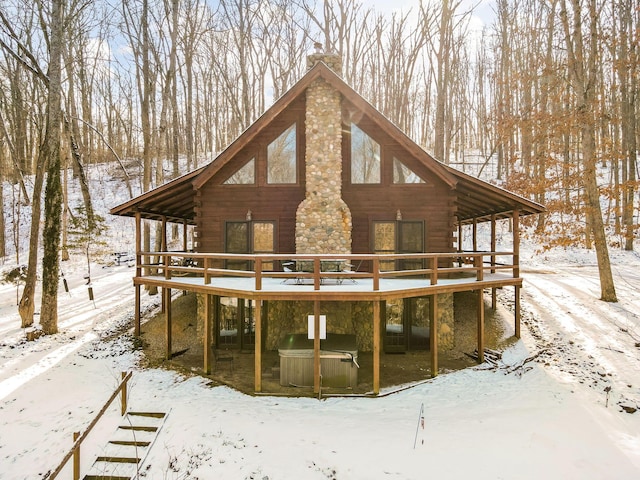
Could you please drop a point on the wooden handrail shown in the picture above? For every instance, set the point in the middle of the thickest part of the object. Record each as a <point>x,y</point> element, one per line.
<point>469,261</point>
<point>79,438</point>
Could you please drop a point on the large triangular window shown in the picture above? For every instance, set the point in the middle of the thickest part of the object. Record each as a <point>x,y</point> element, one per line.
<point>365,157</point>
<point>281,158</point>
<point>403,174</point>
<point>246,175</point>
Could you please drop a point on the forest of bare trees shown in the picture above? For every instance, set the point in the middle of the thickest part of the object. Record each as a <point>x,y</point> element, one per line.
<point>541,99</point>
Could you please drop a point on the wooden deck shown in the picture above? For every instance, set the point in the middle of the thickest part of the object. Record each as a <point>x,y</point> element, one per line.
<point>444,273</point>
<point>462,272</point>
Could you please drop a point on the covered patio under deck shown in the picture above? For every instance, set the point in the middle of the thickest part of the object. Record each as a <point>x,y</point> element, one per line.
<point>443,274</point>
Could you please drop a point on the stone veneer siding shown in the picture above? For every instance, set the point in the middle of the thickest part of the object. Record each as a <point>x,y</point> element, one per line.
<point>323,219</point>
<point>354,318</point>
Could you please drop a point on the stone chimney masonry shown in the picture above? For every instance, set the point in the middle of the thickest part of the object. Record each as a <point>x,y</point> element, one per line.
<point>323,219</point>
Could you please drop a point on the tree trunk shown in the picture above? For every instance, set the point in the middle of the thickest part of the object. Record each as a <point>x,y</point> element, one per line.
<point>582,70</point>
<point>26,306</point>
<point>53,191</point>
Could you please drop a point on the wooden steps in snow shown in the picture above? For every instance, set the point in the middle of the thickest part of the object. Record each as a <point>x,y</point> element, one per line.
<point>126,450</point>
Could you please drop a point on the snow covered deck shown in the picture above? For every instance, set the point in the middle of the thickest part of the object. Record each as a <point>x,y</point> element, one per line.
<point>347,289</point>
<point>462,272</point>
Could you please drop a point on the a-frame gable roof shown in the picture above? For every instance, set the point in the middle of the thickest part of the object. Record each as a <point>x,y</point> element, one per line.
<point>321,70</point>
<point>474,198</point>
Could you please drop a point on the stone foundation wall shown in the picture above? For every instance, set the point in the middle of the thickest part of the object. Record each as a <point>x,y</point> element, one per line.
<point>446,320</point>
<point>355,318</point>
<point>352,318</point>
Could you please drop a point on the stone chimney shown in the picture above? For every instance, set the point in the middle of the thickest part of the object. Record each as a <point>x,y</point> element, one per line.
<point>332,60</point>
<point>323,219</point>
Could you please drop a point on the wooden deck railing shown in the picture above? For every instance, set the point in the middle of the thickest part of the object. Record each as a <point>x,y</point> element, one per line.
<point>434,266</point>
<point>78,437</point>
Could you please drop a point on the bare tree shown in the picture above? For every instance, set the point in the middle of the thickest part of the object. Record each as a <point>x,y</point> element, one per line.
<point>583,57</point>
<point>53,190</point>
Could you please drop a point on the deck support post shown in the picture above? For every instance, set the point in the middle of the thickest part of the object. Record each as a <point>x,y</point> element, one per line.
<point>257,312</point>
<point>207,334</point>
<point>316,346</point>
<point>494,297</point>
<point>475,234</point>
<point>184,236</point>
<point>517,311</point>
<point>516,243</point>
<point>166,296</point>
<point>480,314</point>
<point>376,346</point>
<point>163,248</point>
<point>433,333</point>
<point>136,320</point>
<point>137,307</point>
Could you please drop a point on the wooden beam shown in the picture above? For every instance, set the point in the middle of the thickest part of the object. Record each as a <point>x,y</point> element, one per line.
<point>207,334</point>
<point>138,246</point>
<point>494,296</point>
<point>433,333</point>
<point>257,312</point>
<point>163,246</point>
<point>167,315</point>
<point>316,346</point>
<point>493,242</point>
<point>516,243</point>
<point>376,347</point>
<point>459,236</point>
<point>136,320</point>
<point>184,236</point>
<point>480,314</point>
<point>475,234</point>
<point>517,311</point>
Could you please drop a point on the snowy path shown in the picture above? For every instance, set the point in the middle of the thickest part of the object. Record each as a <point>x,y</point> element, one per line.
<point>587,341</point>
<point>80,321</point>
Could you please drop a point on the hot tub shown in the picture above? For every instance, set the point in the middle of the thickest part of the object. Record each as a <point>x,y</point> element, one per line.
<point>338,361</point>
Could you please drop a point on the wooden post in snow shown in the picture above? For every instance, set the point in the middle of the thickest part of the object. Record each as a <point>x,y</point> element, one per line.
<point>517,311</point>
<point>480,315</point>
<point>136,321</point>
<point>376,347</point>
<point>207,334</point>
<point>258,346</point>
<point>167,315</point>
<point>494,297</point>
<point>316,346</point>
<point>433,333</point>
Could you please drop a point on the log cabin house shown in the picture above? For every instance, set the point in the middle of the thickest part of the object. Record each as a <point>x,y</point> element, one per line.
<point>323,231</point>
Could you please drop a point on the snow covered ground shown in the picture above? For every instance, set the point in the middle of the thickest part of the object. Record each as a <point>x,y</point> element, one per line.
<point>560,416</point>
<point>550,421</point>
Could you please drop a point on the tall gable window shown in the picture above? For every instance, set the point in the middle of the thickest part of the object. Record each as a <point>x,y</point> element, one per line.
<point>365,157</point>
<point>403,174</point>
<point>281,158</point>
<point>246,175</point>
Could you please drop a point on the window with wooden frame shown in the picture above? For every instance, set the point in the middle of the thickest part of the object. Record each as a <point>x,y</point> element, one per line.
<point>403,175</point>
<point>399,236</point>
<point>249,237</point>
<point>366,162</point>
<point>282,158</point>
<point>245,175</point>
